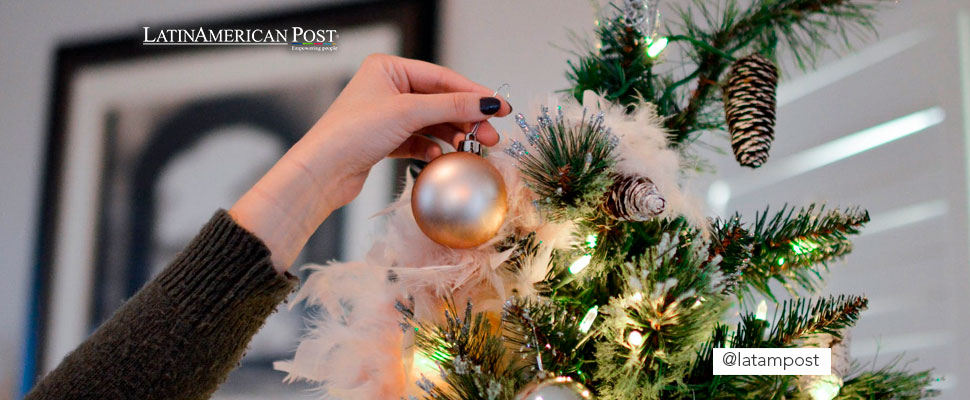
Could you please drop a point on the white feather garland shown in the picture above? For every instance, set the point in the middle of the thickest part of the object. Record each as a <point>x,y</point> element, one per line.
<point>355,305</point>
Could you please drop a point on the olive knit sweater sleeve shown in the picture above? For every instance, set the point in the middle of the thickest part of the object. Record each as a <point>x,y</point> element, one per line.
<point>182,333</point>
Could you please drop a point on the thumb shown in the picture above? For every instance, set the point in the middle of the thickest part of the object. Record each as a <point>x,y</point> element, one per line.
<point>421,110</point>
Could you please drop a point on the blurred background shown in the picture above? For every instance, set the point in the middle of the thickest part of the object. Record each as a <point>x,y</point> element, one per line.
<point>884,126</point>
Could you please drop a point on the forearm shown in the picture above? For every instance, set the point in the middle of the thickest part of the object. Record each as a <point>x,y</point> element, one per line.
<point>181,335</point>
<point>285,207</point>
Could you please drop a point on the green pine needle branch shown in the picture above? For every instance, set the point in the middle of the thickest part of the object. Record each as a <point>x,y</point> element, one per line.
<point>470,356</point>
<point>788,248</point>
<point>889,383</point>
<point>570,163</point>
<point>548,337</point>
<point>798,318</point>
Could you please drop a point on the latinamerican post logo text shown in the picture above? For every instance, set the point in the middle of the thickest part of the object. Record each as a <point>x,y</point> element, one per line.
<point>298,38</point>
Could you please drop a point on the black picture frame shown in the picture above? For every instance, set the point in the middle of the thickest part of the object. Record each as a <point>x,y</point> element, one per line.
<point>417,21</point>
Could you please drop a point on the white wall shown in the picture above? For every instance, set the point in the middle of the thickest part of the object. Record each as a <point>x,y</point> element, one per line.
<point>511,41</point>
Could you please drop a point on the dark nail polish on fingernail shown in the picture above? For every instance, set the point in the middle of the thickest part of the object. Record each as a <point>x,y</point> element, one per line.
<point>489,105</point>
<point>510,108</point>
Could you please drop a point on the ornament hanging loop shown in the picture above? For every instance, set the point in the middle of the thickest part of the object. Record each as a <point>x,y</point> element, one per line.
<point>471,143</point>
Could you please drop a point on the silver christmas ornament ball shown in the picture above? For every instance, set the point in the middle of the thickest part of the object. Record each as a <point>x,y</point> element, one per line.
<point>459,200</point>
<point>558,388</point>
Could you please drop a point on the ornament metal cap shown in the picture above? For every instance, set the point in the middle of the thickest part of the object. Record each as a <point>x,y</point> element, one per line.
<point>470,145</point>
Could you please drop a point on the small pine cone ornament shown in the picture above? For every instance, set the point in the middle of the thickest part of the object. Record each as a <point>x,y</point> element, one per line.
<point>749,107</point>
<point>634,198</point>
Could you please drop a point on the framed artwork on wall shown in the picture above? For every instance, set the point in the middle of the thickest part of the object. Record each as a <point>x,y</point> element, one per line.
<point>147,141</point>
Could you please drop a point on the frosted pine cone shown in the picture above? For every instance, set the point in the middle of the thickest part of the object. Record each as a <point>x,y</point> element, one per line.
<point>749,107</point>
<point>634,198</point>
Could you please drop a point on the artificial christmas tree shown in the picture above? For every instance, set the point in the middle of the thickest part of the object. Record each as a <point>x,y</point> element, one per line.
<point>605,279</point>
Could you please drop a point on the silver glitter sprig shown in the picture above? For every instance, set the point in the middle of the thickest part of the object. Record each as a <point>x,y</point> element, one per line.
<point>642,15</point>
<point>461,365</point>
<point>408,316</point>
<point>544,120</point>
<point>531,133</point>
<point>426,385</point>
<point>612,139</point>
<point>516,149</point>
<point>494,390</point>
<point>597,122</point>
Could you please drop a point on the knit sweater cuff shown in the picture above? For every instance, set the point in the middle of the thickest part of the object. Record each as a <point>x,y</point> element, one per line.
<point>222,267</point>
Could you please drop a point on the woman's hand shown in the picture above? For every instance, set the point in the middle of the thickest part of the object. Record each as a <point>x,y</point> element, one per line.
<point>384,111</point>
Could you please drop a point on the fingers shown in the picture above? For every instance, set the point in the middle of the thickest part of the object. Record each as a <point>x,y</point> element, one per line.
<point>487,134</point>
<point>420,147</point>
<point>446,132</point>
<point>417,147</point>
<point>425,77</point>
<point>421,110</point>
